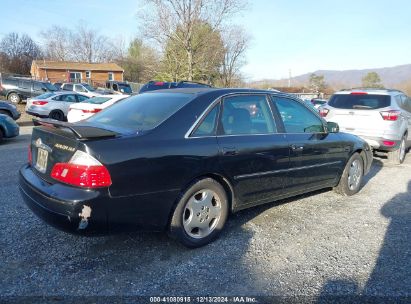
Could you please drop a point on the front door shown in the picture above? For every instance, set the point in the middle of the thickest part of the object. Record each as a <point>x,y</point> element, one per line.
<point>252,152</point>
<point>316,157</point>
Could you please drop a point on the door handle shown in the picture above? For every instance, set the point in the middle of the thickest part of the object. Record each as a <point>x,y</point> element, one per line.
<point>229,151</point>
<point>297,148</point>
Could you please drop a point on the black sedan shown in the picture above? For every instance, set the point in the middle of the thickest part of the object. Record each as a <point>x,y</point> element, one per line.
<point>182,160</point>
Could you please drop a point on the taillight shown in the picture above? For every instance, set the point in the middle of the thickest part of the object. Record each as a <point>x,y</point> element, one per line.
<point>40,102</point>
<point>388,143</point>
<point>323,112</point>
<point>92,111</point>
<point>390,115</point>
<point>30,155</point>
<point>82,170</point>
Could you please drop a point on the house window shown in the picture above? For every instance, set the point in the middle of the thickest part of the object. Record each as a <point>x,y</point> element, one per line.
<point>110,76</point>
<point>75,77</point>
<point>88,74</point>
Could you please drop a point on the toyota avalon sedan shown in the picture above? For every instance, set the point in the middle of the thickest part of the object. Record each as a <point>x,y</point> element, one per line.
<point>182,160</point>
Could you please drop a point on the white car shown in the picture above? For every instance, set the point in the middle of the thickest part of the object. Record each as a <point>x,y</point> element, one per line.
<point>81,88</point>
<point>84,110</point>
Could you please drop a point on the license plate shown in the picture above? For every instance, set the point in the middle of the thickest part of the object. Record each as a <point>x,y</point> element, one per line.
<point>41,163</point>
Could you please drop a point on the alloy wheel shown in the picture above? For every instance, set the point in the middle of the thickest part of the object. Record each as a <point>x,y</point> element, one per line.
<point>354,175</point>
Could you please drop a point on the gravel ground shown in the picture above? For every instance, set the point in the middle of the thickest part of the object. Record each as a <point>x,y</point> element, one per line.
<point>313,245</point>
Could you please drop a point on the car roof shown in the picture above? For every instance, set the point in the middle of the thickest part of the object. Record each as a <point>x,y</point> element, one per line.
<point>203,90</point>
<point>375,91</point>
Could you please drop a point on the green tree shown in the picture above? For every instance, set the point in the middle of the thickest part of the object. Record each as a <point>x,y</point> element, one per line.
<point>372,80</point>
<point>180,22</point>
<point>207,56</point>
<point>317,83</point>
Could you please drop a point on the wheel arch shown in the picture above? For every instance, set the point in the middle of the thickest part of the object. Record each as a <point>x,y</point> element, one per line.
<point>224,182</point>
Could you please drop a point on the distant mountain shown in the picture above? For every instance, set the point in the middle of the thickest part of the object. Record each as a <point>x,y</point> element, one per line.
<point>390,77</point>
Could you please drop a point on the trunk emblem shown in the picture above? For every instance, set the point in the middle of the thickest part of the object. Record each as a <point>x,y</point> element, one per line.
<point>38,143</point>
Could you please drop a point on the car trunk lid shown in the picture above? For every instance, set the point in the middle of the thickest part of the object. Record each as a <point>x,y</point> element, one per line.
<point>56,142</point>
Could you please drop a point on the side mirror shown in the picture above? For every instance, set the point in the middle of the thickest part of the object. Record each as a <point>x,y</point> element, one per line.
<point>332,127</point>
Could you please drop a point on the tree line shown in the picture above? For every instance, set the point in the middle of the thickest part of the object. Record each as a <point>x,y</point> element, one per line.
<point>193,40</point>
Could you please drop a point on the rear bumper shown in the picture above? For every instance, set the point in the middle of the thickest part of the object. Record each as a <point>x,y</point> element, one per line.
<point>91,212</point>
<point>64,207</point>
<point>377,143</point>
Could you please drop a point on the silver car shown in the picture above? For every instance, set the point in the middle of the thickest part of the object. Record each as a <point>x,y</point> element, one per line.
<point>53,105</point>
<point>382,117</point>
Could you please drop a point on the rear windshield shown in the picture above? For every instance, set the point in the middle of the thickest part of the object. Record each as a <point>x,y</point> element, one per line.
<point>359,102</point>
<point>49,86</point>
<point>142,112</point>
<point>45,95</point>
<point>97,100</point>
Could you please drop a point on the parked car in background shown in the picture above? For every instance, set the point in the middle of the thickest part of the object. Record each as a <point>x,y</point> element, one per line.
<point>317,102</point>
<point>382,117</point>
<point>16,89</point>
<point>81,88</point>
<point>53,105</point>
<point>119,87</point>
<point>9,109</point>
<point>182,160</point>
<point>8,127</point>
<point>161,85</point>
<point>58,85</point>
<point>85,109</point>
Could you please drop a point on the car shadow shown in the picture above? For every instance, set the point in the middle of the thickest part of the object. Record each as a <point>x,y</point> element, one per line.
<point>390,279</point>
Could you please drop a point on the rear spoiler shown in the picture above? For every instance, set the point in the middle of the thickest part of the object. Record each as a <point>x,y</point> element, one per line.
<point>80,131</point>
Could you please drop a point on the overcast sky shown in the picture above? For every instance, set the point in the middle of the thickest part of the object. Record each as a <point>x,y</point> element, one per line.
<point>301,36</point>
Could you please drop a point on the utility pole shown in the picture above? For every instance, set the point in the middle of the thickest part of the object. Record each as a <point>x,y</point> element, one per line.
<point>289,78</point>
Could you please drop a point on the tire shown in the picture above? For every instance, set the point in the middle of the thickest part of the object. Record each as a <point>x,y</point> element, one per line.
<point>14,98</point>
<point>350,181</point>
<point>200,214</point>
<point>6,113</point>
<point>397,157</point>
<point>57,115</point>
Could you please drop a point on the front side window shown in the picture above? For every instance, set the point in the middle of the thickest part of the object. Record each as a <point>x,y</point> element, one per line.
<point>297,118</point>
<point>37,86</point>
<point>208,126</point>
<point>247,114</point>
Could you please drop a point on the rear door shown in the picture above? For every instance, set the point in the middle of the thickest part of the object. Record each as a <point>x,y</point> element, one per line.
<point>37,89</point>
<point>358,113</point>
<point>316,157</point>
<point>25,88</point>
<point>253,155</point>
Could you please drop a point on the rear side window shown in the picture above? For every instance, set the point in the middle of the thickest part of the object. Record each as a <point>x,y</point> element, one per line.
<point>208,126</point>
<point>359,101</point>
<point>142,112</point>
<point>25,85</point>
